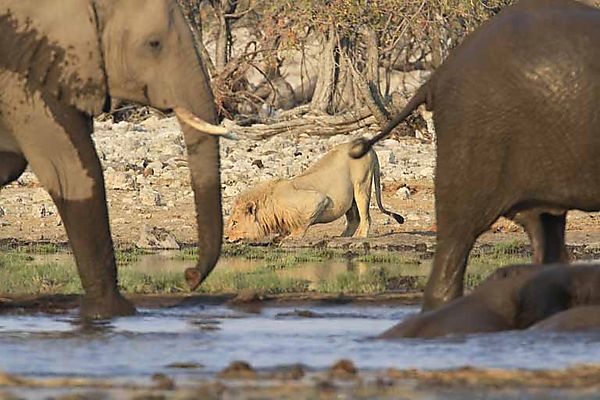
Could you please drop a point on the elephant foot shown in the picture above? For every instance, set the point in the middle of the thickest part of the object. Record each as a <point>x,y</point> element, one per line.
<point>114,305</point>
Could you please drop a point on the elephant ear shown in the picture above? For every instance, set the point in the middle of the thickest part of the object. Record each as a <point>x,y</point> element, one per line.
<point>56,46</point>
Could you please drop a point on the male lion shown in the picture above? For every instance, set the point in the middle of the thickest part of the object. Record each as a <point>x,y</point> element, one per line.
<point>335,185</point>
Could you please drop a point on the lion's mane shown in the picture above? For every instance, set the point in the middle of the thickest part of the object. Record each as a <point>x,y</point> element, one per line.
<point>270,215</point>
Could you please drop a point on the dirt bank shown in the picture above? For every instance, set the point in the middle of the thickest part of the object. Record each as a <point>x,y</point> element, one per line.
<point>147,182</point>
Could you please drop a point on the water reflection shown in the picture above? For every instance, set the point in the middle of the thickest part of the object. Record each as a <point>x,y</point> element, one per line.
<point>91,328</point>
<point>315,274</point>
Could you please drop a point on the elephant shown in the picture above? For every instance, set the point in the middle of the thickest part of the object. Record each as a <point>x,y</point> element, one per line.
<point>517,116</point>
<point>571,320</point>
<point>60,64</point>
<point>537,296</point>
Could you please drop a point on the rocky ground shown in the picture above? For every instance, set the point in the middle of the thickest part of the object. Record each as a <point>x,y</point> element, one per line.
<point>147,182</point>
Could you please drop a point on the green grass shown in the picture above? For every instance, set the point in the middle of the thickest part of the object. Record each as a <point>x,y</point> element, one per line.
<point>20,273</point>
<point>261,281</point>
<point>484,262</point>
<point>33,269</point>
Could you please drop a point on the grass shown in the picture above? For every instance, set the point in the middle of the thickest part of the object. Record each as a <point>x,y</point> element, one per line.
<point>37,269</point>
<point>485,261</point>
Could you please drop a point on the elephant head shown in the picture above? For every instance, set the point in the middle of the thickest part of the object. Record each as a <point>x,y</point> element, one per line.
<point>60,63</point>
<point>150,58</point>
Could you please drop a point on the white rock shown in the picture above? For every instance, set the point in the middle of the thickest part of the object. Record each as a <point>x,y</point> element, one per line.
<point>155,165</point>
<point>118,180</point>
<point>150,197</point>
<point>403,193</point>
<point>156,238</point>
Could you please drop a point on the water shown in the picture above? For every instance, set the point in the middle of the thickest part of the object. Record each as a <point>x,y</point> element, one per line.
<point>214,336</point>
<point>320,275</point>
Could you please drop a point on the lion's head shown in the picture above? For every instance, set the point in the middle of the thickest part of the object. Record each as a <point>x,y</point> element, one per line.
<point>243,223</point>
<point>257,215</point>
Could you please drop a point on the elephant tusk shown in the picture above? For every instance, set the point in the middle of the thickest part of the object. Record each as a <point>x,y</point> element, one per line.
<point>203,126</point>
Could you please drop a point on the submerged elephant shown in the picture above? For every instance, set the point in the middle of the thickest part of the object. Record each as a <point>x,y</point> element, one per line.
<point>542,297</point>
<point>517,114</point>
<point>60,61</point>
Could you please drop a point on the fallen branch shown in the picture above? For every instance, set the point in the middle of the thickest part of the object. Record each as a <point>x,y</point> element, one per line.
<point>309,124</point>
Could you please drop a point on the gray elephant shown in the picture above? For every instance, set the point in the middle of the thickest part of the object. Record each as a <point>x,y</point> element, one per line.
<point>517,114</point>
<point>60,61</point>
<point>534,296</point>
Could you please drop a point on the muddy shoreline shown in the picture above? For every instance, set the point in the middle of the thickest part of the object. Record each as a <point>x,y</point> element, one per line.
<point>582,245</point>
<point>341,380</point>
<point>64,303</point>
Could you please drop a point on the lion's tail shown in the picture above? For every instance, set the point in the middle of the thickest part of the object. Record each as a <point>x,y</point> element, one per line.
<point>377,181</point>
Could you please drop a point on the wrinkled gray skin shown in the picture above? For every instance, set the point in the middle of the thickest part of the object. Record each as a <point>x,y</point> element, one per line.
<point>517,114</point>
<point>543,297</point>
<point>60,61</point>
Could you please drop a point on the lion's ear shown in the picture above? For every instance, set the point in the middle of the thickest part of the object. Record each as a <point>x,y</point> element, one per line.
<point>251,208</point>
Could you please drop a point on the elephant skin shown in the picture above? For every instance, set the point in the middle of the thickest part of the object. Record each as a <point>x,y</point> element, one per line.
<point>572,320</point>
<point>542,296</point>
<point>60,63</point>
<point>516,110</point>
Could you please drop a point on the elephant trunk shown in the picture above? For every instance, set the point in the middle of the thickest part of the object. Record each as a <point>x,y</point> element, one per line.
<point>189,94</point>
<point>203,162</point>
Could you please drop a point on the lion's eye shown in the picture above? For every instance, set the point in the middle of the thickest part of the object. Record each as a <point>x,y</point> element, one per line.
<point>155,44</point>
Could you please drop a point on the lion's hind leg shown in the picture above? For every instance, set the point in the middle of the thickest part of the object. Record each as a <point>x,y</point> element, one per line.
<point>352,220</point>
<point>362,197</point>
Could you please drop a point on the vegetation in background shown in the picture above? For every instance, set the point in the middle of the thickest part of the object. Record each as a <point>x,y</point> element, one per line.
<point>358,37</point>
<point>49,269</point>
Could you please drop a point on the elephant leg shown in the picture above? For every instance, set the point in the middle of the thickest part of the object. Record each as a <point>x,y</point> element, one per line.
<point>61,153</point>
<point>446,278</point>
<point>352,220</point>
<point>12,162</point>
<point>555,249</point>
<point>547,235</point>
<point>460,220</point>
<point>12,166</point>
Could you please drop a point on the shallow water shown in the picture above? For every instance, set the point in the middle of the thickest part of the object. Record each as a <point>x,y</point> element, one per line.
<point>318,275</point>
<point>214,336</point>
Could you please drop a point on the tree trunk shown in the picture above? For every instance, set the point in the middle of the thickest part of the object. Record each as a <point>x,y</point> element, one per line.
<point>326,77</point>
<point>223,9</point>
<point>336,89</point>
<point>371,93</point>
<point>346,93</point>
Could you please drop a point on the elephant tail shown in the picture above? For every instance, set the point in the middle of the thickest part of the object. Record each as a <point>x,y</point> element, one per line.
<point>377,183</point>
<point>362,146</point>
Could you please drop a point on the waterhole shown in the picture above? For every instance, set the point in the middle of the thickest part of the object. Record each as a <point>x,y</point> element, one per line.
<point>208,338</point>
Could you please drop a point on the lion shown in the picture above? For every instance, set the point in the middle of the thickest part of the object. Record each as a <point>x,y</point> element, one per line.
<point>334,186</point>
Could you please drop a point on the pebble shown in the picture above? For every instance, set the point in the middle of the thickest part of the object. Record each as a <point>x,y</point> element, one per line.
<point>343,369</point>
<point>238,370</point>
